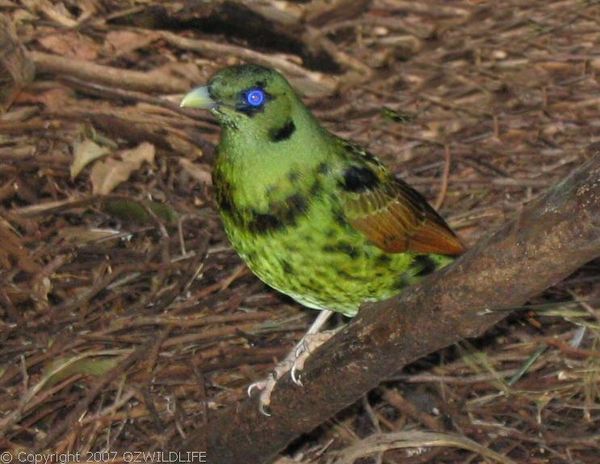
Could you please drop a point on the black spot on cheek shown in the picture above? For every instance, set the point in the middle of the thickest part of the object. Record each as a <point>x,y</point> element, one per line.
<point>282,133</point>
<point>357,179</point>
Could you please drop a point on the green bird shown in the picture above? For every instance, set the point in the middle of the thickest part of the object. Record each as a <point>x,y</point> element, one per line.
<point>314,216</point>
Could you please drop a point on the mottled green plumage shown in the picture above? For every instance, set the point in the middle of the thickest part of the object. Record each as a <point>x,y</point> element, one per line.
<point>312,215</point>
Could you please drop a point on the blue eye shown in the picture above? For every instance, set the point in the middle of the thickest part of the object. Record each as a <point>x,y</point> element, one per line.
<point>255,97</point>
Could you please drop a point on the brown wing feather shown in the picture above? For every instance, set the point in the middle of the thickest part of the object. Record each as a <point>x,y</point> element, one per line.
<point>397,219</point>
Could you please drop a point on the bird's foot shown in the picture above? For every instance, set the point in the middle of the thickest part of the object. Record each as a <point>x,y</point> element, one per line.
<point>308,344</point>
<point>292,363</point>
<point>267,385</point>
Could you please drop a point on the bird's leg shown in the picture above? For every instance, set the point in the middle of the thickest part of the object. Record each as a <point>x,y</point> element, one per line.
<point>312,339</point>
<point>295,359</point>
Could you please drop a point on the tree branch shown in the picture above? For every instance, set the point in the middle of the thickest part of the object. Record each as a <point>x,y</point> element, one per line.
<point>548,240</point>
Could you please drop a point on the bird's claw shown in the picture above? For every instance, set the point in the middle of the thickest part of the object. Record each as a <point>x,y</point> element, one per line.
<point>266,388</point>
<point>294,374</point>
<point>252,386</point>
<point>293,363</point>
<point>261,409</point>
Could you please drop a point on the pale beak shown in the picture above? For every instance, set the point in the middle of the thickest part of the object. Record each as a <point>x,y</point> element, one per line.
<point>198,98</point>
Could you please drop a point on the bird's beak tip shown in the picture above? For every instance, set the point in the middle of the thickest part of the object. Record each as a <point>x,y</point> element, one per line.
<point>198,98</point>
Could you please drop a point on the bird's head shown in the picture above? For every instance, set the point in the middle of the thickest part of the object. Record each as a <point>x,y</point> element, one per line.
<point>256,100</point>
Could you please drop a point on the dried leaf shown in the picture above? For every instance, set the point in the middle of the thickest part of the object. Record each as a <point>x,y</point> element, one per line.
<point>62,368</point>
<point>41,287</point>
<point>107,174</point>
<point>135,211</point>
<point>84,152</point>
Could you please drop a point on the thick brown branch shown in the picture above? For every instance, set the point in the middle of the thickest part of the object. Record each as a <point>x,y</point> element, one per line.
<point>550,238</point>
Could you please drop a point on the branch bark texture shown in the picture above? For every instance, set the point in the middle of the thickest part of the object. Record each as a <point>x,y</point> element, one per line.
<point>549,239</point>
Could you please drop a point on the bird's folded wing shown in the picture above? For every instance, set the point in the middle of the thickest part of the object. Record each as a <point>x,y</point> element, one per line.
<point>396,218</point>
